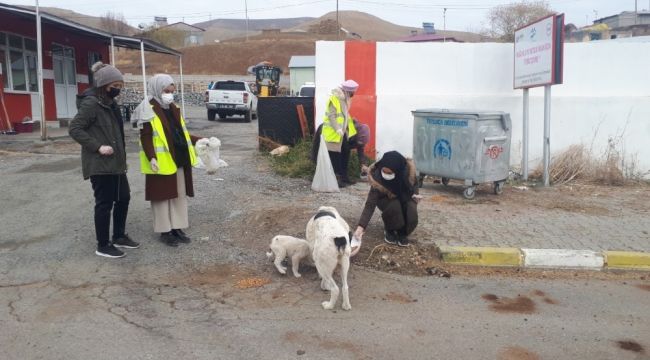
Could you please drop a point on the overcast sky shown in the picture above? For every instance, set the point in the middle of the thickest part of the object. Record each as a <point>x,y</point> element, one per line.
<point>460,15</point>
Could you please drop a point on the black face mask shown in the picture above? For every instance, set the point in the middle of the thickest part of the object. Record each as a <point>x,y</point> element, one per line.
<point>113,92</point>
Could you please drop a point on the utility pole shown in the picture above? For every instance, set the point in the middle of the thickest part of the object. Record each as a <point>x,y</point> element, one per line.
<point>444,19</point>
<point>338,24</point>
<point>39,72</point>
<point>444,24</point>
<point>246,10</point>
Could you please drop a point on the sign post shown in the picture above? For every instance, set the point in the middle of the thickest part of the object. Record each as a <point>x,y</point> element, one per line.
<point>538,61</point>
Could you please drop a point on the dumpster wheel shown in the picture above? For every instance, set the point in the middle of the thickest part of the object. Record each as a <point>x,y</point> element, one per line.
<point>445,181</point>
<point>469,192</point>
<point>498,187</point>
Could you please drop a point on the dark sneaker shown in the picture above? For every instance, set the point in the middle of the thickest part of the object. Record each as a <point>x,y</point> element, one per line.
<point>169,239</point>
<point>109,251</point>
<point>390,237</point>
<point>126,242</point>
<point>181,236</point>
<point>403,241</point>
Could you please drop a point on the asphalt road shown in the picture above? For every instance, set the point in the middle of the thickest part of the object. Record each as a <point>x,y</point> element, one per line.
<point>219,298</point>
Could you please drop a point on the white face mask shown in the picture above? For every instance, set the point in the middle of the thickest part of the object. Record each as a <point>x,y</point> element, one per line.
<point>388,177</point>
<point>167,98</point>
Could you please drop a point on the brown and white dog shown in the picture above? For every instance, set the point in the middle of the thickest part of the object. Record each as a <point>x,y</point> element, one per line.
<point>328,236</point>
<point>282,246</point>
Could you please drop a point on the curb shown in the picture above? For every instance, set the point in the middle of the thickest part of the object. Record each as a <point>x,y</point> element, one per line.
<point>545,258</point>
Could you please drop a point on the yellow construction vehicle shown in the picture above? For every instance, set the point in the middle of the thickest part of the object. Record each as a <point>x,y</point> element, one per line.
<point>267,78</point>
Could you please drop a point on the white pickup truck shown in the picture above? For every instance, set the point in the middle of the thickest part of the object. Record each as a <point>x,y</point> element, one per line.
<point>226,98</point>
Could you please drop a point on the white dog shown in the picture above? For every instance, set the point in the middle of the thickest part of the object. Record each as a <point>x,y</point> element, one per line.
<point>282,246</point>
<point>329,237</point>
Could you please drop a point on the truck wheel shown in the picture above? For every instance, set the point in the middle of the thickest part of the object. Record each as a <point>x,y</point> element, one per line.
<point>248,116</point>
<point>211,114</point>
<point>445,181</point>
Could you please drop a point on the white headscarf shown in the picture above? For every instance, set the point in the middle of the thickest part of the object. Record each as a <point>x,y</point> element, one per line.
<point>143,113</point>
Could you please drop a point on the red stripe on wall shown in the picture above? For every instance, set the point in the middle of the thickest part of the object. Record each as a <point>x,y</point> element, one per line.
<point>361,66</point>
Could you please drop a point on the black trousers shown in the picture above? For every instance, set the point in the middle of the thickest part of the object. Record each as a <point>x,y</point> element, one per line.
<point>112,193</point>
<point>340,160</point>
<point>399,217</point>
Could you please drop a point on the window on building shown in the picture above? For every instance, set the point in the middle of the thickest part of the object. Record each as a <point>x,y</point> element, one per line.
<point>18,77</point>
<point>19,62</point>
<point>5,80</point>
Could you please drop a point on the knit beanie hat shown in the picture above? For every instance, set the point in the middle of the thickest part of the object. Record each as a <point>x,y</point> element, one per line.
<point>349,85</point>
<point>105,74</point>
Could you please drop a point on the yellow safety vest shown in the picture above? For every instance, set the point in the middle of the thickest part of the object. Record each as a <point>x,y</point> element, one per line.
<point>328,131</point>
<point>166,164</point>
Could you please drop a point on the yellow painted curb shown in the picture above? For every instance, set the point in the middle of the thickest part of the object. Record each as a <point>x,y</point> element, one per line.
<point>486,256</point>
<point>627,260</point>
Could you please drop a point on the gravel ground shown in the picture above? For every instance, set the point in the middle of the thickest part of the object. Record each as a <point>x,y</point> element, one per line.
<point>220,298</point>
<point>243,206</point>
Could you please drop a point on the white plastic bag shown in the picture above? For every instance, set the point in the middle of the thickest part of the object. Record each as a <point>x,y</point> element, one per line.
<point>324,178</point>
<point>209,153</point>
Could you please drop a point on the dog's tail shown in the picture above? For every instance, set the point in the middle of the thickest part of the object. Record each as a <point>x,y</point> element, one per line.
<point>269,255</point>
<point>340,242</point>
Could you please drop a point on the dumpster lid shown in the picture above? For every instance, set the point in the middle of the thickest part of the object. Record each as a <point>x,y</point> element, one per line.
<point>439,111</point>
<point>482,115</point>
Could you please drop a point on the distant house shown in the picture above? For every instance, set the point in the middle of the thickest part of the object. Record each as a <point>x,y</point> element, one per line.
<point>302,69</point>
<point>624,25</point>
<point>428,38</point>
<point>429,35</point>
<point>190,34</point>
<point>625,19</point>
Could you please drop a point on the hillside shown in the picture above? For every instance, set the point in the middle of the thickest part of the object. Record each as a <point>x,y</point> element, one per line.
<point>95,22</point>
<point>224,29</point>
<point>370,27</point>
<point>232,54</point>
<point>232,57</point>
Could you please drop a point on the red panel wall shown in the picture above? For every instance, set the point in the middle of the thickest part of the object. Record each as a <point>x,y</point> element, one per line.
<point>361,66</point>
<point>19,104</point>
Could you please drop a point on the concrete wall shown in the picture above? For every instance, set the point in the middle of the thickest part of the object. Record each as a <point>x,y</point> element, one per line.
<point>606,92</point>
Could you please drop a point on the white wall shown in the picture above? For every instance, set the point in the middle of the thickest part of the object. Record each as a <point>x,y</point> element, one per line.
<point>606,92</point>
<point>330,73</point>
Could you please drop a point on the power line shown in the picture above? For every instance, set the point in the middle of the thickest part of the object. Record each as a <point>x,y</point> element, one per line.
<point>424,6</point>
<point>213,13</point>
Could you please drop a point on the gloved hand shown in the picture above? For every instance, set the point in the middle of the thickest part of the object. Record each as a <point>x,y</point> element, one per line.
<point>358,233</point>
<point>416,198</point>
<point>105,150</point>
<point>154,165</point>
<point>340,132</point>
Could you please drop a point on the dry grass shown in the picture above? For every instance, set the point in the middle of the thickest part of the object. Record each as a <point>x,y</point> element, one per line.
<point>577,163</point>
